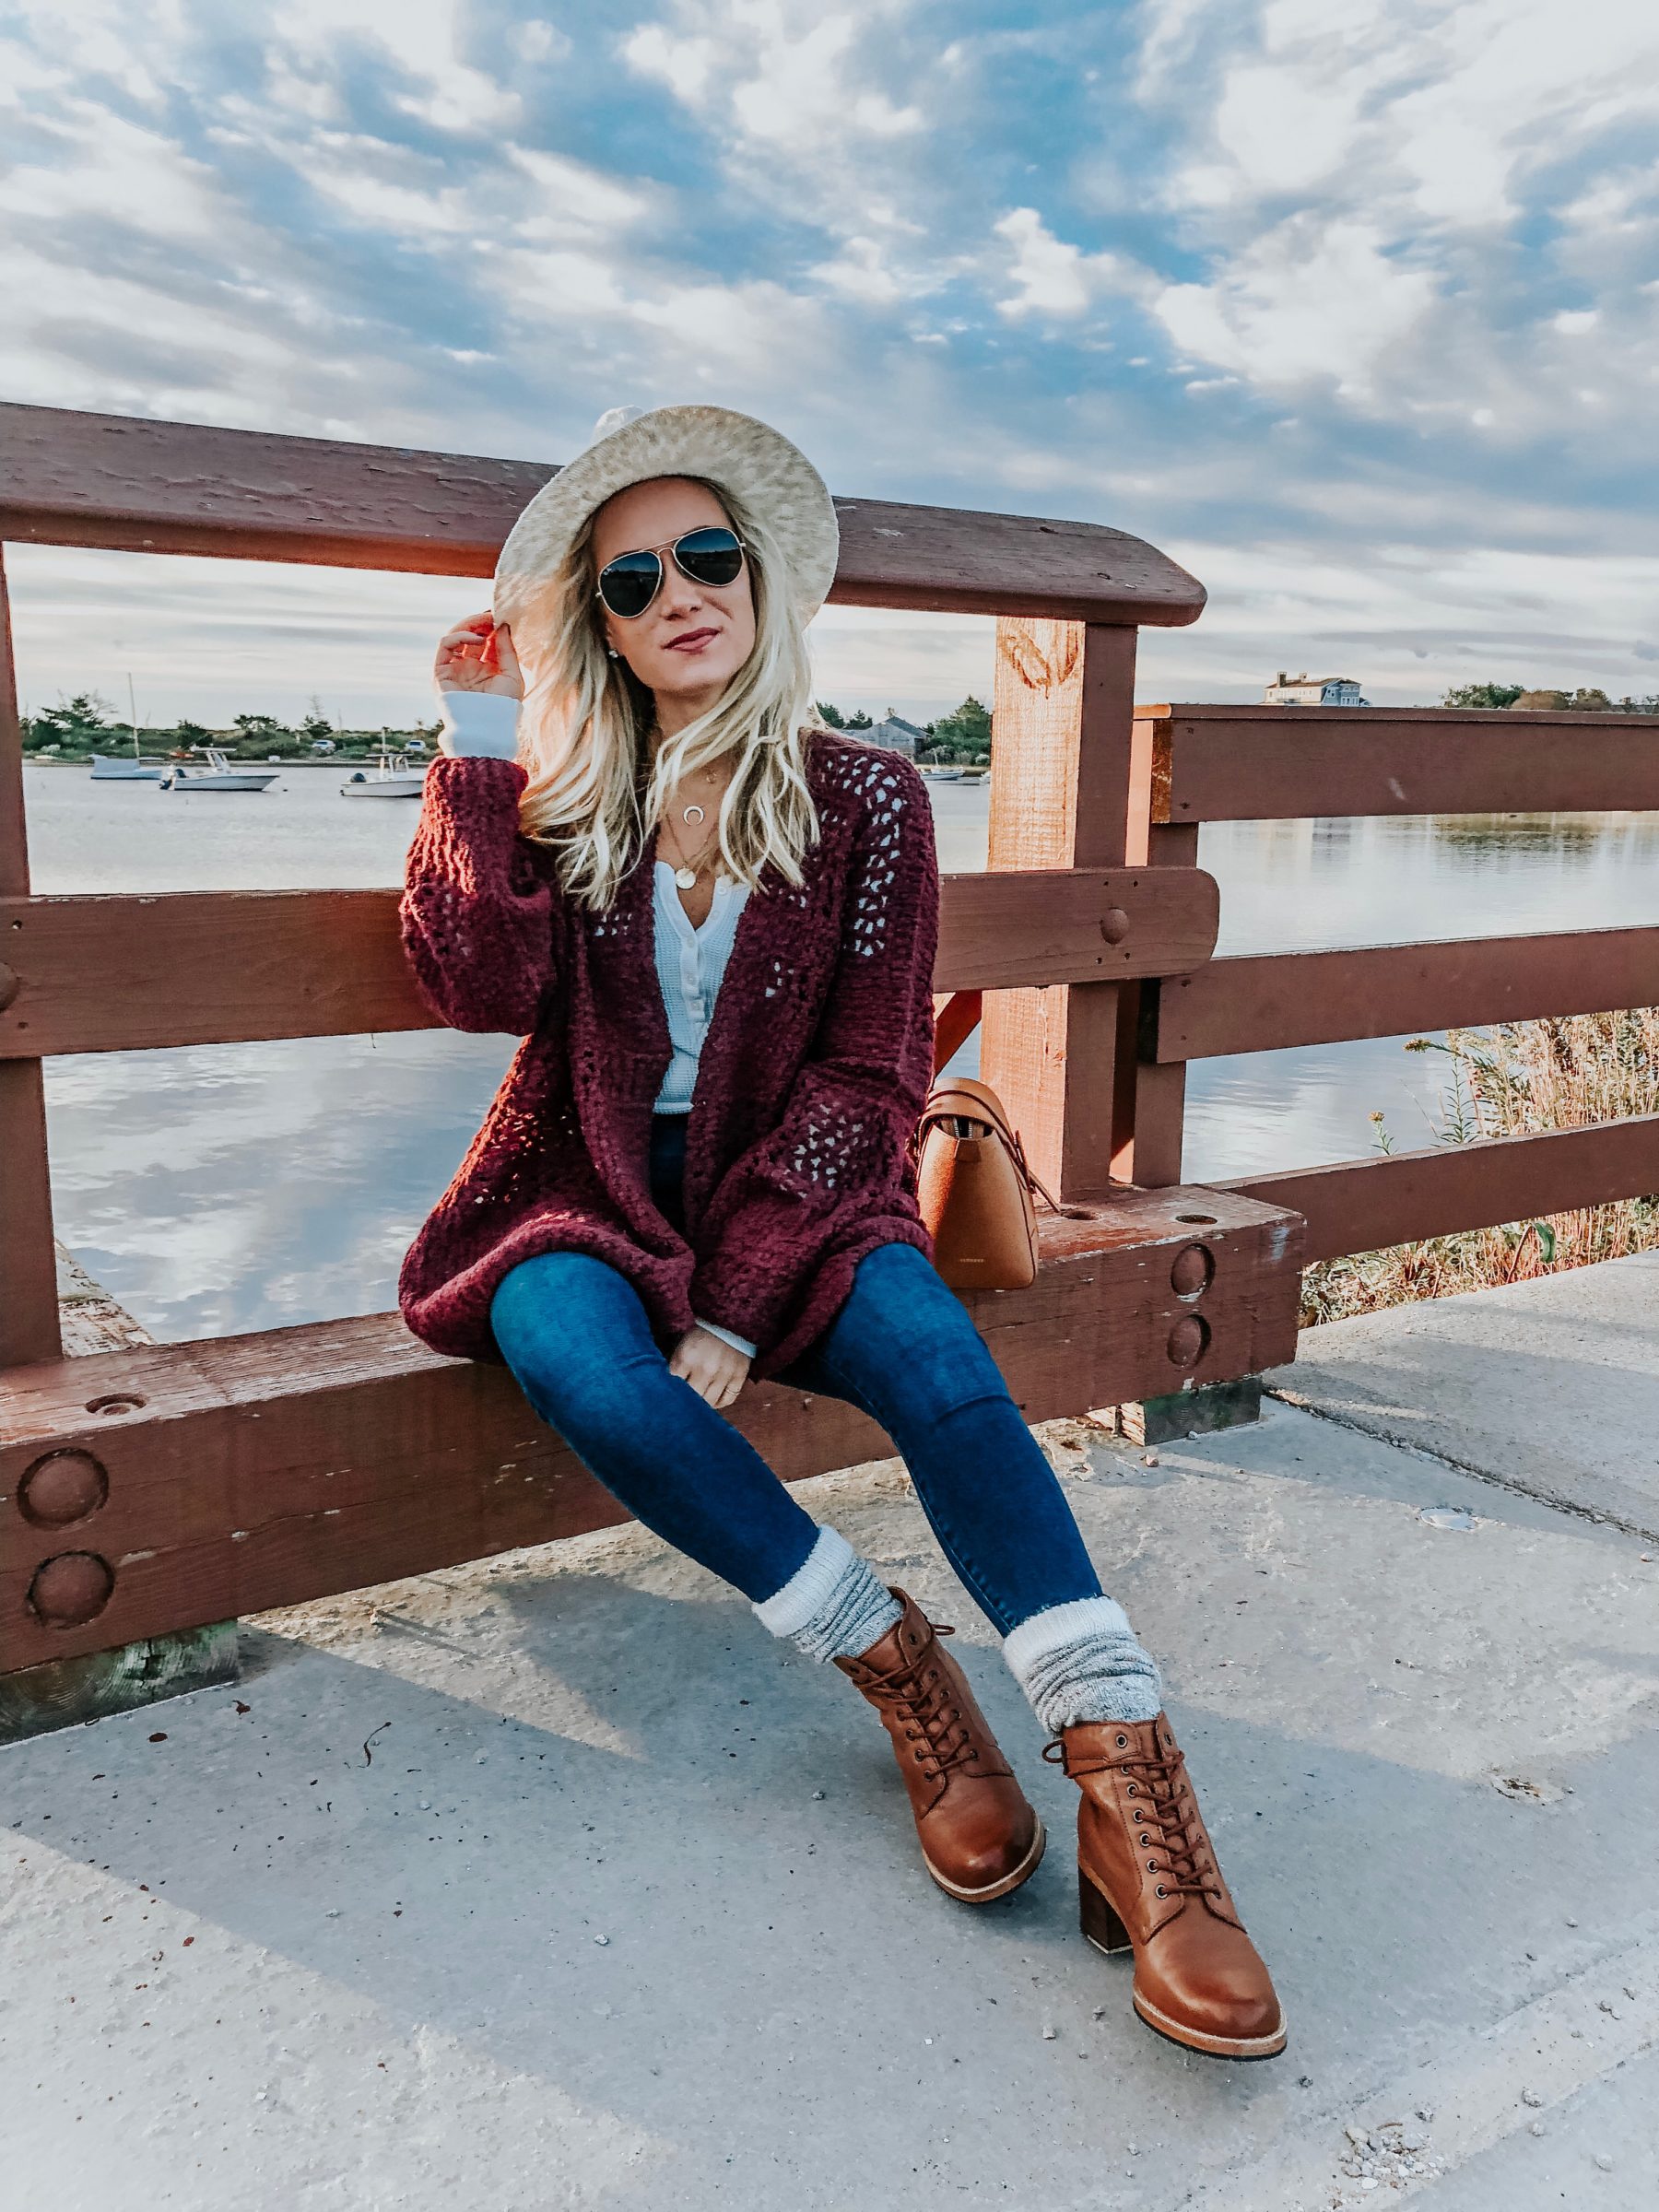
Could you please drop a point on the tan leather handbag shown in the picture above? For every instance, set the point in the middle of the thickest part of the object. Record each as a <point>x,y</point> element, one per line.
<point>974,1188</point>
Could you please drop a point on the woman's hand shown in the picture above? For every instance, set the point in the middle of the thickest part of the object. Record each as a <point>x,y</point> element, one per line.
<point>478,655</point>
<point>714,1368</point>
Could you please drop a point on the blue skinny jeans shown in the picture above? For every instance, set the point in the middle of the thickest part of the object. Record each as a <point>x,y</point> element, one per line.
<point>902,1347</point>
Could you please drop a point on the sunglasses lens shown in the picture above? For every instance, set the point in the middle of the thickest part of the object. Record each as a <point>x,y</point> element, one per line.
<point>629,584</point>
<point>712,557</point>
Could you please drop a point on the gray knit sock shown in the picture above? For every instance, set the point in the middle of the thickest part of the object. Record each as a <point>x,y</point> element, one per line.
<point>1080,1661</point>
<point>832,1605</point>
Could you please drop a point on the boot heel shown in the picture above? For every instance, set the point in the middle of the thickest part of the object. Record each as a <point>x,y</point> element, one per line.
<point>1098,1918</point>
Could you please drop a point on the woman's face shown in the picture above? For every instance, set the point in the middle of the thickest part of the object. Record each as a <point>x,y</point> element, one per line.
<point>693,638</point>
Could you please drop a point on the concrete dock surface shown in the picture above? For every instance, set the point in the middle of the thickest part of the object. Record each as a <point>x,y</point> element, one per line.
<point>553,1882</point>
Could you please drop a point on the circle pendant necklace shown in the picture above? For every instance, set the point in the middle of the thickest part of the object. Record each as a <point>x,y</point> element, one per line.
<point>684,874</point>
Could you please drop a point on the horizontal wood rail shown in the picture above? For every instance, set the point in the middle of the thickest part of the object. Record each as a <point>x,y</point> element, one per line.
<point>68,479</point>
<point>133,971</point>
<point>1398,1198</point>
<point>1262,1002</point>
<point>190,1483</point>
<point>1242,764</point>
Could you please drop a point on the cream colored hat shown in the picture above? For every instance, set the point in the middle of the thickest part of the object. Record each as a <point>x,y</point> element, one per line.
<point>734,452</point>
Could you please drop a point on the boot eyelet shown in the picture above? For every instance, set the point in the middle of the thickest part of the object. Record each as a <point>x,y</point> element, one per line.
<point>1152,1868</point>
<point>1131,1791</point>
<point>1121,1741</point>
<point>1160,1891</point>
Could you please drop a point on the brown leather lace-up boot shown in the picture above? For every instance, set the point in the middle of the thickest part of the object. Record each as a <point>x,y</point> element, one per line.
<point>1147,1882</point>
<point>980,1838</point>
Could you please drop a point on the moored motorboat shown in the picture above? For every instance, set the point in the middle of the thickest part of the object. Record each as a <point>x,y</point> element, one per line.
<point>390,778</point>
<point>218,775</point>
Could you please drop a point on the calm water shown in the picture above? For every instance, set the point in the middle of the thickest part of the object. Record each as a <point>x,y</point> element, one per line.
<point>240,1187</point>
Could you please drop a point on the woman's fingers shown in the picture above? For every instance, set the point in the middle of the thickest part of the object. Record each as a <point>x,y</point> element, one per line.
<point>714,1368</point>
<point>475,655</point>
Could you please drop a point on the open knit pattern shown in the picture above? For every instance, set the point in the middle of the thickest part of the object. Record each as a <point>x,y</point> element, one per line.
<point>811,1080</point>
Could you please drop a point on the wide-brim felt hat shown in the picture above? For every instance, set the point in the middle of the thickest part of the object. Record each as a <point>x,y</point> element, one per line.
<point>734,452</point>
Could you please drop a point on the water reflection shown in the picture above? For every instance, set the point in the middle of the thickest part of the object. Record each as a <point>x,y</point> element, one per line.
<point>241,1187</point>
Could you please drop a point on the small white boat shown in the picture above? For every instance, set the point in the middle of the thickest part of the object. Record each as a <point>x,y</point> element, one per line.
<point>390,778</point>
<point>943,775</point>
<point>218,775</point>
<point>111,768</point>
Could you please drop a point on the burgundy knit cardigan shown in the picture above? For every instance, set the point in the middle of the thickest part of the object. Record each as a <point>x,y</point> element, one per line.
<point>817,1063</point>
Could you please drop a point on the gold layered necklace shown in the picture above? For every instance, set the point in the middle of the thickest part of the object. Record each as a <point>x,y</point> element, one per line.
<point>687,871</point>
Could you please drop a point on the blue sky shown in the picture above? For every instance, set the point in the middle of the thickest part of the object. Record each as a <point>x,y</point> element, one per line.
<point>1351,305</point>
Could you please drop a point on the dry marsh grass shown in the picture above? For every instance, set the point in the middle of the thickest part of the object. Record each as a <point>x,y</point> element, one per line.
<point>1513,1080</point>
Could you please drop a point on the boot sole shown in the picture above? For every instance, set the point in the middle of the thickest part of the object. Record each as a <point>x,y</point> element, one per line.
<point>1213,2046</point>
<point>1105,1929</point>
<point>1022,1873</point>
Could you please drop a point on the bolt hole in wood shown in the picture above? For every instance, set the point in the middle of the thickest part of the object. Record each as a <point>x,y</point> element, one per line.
<point>72,1589</point>
<point>115,1400</point>
<point>1206,1221</point>
<point>1192,1272</point>
<point>1189,1340</point>
<point>62,1487</point>
<point>1114,926</point>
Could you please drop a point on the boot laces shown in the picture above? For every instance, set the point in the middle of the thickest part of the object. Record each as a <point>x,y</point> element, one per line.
<point>1166,1809</point>
<point>928,1705</point>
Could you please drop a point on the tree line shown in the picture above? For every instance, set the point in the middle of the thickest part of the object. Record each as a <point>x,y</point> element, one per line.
<point>76,728</point>
<point>1580,701</point>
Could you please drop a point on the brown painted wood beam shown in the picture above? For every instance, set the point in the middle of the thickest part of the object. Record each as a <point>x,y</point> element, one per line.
<point>1242,764</point>
<point>1368,1205</point>
<point>68,479</point>
<point>1262,1003</point>
<point>133,971</point>
<point>159,1489</point>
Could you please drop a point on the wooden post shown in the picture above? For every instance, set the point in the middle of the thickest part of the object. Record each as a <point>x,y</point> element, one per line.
<point>29,1313</point>
<point>1071,788</point>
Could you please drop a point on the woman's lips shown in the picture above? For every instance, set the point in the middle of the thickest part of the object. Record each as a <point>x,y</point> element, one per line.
<point>693,641</point>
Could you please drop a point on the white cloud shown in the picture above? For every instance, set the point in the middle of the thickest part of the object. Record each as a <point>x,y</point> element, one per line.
<point>573,198</point>
<point>421,38</point>
<point>1309,299</point>
<point>787,76</point>
<point>861,271</point>
<point>1050,275</point>
<point>101,164</point>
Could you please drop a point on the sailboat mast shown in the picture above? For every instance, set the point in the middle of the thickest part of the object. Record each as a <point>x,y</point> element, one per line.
<point>133,717</point>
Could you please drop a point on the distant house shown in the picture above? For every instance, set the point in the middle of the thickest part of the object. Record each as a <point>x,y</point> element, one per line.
<point>1313,691</point>
<point>901,736</point>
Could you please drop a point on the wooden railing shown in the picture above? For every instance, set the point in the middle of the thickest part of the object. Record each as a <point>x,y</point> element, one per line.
<point>1228,764</point>
<point>168,1485</point>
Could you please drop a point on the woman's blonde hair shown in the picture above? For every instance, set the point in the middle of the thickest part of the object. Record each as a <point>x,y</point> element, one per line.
<point>586,721</point>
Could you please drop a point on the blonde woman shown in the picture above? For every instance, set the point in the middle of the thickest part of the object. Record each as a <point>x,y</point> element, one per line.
<point>714,921</point>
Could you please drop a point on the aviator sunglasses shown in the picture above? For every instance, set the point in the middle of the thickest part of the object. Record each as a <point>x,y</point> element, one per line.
<point>713,556</point>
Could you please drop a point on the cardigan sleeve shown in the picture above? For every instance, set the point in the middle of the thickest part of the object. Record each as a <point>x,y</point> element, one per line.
<point>839,1155</point>
<point>477,908</point>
